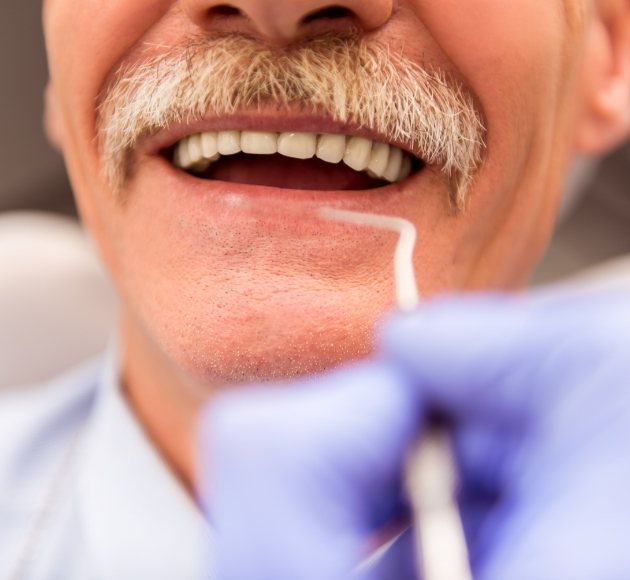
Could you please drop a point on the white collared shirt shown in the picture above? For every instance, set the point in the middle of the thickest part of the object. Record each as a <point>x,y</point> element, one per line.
<point>84,495</point>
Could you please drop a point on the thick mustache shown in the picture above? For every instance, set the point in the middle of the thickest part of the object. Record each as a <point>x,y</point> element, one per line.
<point>344,77</point>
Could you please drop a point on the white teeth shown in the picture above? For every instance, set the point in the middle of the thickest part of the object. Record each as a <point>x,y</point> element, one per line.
<point>379,160</point>
<point>259,142</point>
<point>331,148</point>
<point>189,154</point>
<point>181,155</point>
<point>394,165</point>
<point>358,153</point>
<point>194,149</point>
<point>297,145</point>
<point>195,158</point>
<point>209,146</point>
<point>229,142</point>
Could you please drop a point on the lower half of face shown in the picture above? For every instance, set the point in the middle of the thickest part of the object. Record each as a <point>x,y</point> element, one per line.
<point>238,283</point>
<point>232,275</point>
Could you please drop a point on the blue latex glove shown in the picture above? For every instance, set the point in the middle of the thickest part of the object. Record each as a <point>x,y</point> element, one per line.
<point>538,393</point>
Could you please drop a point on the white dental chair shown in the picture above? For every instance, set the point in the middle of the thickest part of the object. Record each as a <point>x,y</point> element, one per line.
<point>56,306</point>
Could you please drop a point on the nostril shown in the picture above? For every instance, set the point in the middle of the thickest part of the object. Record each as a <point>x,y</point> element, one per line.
<point>328,13</point>
<point>225,10</point>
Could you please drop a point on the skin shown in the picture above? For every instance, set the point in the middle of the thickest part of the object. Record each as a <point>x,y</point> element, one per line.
<point>212,294</point>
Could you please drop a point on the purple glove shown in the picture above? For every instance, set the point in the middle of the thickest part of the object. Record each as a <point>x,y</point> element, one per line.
<point>302,475</point>
<point>538,395</point>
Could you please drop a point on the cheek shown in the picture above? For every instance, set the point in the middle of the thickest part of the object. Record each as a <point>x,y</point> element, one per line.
<point>513,57</point>
<point>85,40</point>
<point>509,53</point>
<point>496,42</point>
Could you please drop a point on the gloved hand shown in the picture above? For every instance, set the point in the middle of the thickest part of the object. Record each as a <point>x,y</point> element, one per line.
<point>300,475</point>
<point>538,394</point>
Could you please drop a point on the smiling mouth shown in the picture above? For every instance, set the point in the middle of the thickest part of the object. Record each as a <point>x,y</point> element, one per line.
<point>293,160</point>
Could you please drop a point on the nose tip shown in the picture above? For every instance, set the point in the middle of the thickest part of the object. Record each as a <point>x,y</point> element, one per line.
<point>284,21</point>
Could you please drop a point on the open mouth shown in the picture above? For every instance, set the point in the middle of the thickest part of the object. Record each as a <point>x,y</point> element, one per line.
<point>293,160</point>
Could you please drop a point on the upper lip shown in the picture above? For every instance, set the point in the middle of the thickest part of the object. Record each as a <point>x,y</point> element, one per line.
<point>274,121</point>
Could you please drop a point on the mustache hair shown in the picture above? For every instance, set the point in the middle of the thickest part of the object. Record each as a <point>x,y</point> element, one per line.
<point>341,76</point>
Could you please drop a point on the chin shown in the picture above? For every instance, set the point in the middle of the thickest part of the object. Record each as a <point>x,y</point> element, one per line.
<point>281,336</point>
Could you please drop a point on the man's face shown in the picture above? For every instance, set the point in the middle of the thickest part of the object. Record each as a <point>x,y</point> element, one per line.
<point>230,274</point>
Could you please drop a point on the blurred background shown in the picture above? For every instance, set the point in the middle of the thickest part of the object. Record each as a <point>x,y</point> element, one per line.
<point>32,174</point>
<point>595,226</point>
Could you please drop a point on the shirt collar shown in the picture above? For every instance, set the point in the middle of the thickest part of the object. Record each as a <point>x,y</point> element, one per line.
<point>138,520</point>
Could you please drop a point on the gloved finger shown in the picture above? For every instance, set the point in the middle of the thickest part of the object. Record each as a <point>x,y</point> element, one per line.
<point>472,355</point>
<point>293,476</point>
<point>395,562</point>
<point>572,525</point>
<point>540,396</point>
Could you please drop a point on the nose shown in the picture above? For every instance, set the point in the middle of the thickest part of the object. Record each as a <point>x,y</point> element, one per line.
<point>285,21</point>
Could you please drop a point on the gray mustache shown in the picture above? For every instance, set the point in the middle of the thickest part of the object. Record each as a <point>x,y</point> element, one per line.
<point>342,77</point>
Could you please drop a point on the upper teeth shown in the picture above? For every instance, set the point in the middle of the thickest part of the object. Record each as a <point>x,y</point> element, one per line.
<point>379,160</point>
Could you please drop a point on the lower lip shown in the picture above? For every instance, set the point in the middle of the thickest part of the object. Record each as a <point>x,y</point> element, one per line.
<point>263,199</point>
<point>243,228</point>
